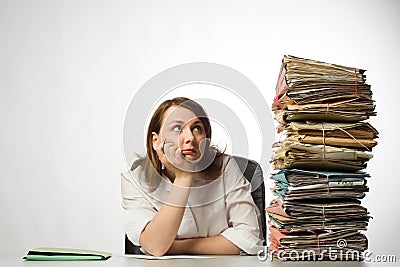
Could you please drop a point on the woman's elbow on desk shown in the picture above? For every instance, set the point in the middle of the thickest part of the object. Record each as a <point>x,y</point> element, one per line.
<point>214,245</point>
<point>156,251</point>
<point>154,248</point>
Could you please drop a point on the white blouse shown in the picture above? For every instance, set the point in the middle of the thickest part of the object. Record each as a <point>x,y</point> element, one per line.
<point>223,207</point>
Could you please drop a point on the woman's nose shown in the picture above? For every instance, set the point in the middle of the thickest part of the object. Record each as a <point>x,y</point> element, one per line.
<point>187,136</point>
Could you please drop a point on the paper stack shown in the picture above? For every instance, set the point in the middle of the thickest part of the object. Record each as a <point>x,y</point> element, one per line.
<point>325,143</point>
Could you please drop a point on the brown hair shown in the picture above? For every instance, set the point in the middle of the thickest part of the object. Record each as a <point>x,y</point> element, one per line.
<point>151,165</point>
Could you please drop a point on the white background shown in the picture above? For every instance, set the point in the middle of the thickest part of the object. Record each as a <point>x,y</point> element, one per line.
<point>69,69</point>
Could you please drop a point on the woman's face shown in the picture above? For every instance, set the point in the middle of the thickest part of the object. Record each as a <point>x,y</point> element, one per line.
<point>184,129</point>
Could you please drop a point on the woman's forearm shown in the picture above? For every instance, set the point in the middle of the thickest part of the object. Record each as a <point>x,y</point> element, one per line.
<point>204,245</point>
<point>160,232</point>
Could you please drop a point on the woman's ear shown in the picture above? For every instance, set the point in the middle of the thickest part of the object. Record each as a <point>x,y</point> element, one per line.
<point>155,140</point>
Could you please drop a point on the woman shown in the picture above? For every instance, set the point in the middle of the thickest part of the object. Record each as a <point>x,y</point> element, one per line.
<point>186,196</point>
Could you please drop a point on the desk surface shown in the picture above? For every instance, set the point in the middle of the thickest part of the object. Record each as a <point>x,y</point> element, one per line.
<point>231,261</point>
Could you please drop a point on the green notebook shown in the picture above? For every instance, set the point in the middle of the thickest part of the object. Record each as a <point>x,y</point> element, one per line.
<point>65,254</point>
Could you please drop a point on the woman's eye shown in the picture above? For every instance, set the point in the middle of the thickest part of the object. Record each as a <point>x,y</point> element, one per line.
<point>177,128</point>
<point>197,128</point>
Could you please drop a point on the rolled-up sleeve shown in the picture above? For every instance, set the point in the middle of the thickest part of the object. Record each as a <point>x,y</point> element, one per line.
<point>242,214</point>
<point>138,210</point>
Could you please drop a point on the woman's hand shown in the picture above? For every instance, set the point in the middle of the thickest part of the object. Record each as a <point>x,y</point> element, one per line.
<point>171,156</point>
<point>160,233</point>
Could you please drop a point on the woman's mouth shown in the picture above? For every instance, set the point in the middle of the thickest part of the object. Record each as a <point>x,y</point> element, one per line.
<point>189,151</point>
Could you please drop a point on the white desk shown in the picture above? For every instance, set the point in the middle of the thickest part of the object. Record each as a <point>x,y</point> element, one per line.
<point>219,261</point>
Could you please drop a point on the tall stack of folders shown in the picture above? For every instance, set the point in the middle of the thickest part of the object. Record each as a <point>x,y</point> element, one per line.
<point>325,143</point>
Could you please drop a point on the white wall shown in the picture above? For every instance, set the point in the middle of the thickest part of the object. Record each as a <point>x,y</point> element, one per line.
<point>69,69</point>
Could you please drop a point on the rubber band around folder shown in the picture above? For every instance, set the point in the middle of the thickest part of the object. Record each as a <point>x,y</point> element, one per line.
<point>327,183</point>
<point>355,139</point>
<point>276,101</point>
<point>327,108</point>
<point>355,81</point>
<point>323,141</point>
<point>281,77</point>
<point>319,248</point>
